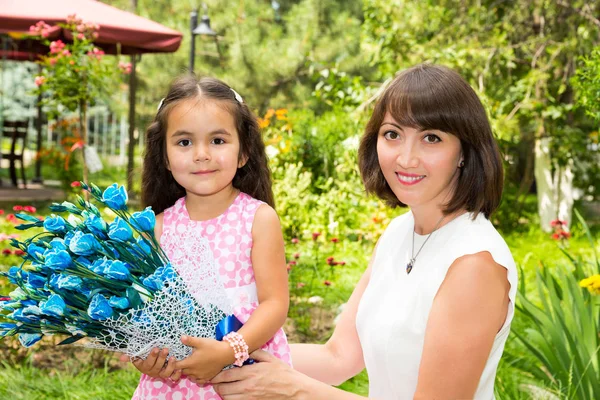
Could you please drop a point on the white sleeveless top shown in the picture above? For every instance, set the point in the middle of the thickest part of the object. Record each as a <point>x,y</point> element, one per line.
<point>393,312</point>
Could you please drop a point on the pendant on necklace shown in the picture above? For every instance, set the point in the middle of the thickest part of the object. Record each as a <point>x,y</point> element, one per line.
<point>409,266</point>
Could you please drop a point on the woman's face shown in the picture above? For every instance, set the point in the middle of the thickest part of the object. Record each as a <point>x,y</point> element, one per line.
<point>421,167</point>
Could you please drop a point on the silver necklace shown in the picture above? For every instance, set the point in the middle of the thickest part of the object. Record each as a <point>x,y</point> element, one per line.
<point>413,256</point>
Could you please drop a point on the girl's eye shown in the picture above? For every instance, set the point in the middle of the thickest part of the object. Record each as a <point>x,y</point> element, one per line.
<point>184,143</point>
<point>391,135</point>
<point>431,138</point>
<point>218,141</point>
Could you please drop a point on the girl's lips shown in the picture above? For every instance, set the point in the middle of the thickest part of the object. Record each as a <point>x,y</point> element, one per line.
<point>409,179</point>
<point>203,172</point>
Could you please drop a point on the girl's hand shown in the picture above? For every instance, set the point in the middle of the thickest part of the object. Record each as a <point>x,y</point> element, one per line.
<point>208,358</point>
<point>154,365</point>
<point>269,378</point>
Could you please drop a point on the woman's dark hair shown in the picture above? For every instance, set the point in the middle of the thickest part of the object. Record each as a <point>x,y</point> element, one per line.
<point>159,188</point>
<point>435,97</point>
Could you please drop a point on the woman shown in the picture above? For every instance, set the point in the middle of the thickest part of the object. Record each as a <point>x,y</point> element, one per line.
<point>431,314</point>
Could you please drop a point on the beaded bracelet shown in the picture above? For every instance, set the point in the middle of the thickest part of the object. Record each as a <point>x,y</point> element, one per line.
<point>239,346</point>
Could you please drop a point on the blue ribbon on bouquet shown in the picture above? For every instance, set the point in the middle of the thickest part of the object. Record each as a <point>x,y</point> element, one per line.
<point>227,325</point>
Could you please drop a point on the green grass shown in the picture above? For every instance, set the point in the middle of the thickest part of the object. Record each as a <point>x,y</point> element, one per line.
<point>27,382</point>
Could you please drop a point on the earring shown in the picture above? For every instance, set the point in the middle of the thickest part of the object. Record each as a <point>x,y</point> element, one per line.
<point>461,164</point>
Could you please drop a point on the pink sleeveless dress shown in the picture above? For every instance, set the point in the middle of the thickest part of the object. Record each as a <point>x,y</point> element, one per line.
<point>230,239</point>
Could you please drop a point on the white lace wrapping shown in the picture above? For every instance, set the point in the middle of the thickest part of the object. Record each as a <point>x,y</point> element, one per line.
<point>191,304</point>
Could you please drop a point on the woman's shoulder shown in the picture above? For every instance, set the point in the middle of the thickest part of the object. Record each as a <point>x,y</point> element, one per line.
<point>479,232</point>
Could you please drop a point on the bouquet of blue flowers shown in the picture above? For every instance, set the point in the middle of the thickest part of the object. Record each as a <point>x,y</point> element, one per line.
<point>109,283</point>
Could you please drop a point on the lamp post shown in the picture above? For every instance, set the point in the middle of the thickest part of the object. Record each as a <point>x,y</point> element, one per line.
<point>202,28</point>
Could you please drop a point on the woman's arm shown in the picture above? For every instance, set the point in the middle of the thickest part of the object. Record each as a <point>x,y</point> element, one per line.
<point>468,311</point>
<point>271,378</point>
<point>341,357</point>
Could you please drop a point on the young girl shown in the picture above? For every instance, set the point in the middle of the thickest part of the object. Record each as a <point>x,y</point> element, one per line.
<point>205,173</point>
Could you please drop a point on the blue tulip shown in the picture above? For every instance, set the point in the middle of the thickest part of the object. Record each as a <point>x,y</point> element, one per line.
<point>14,275</point>
<point>100,265</point>
<point>58,260</point>
<point>120,230</point>
<point>58,244</point>
<point>36,252</point>
<point>144,221</point>
<point>115,197</point>
<point>36,281</point>
<point>55,224</point>
<point>5,328</point>
<point>99,308</point>
<point>143,246</point>
<point>84,261</point>
<point>32,310</point>
<point>119,302</point>
<point>60,282</point>
<point>68,237</point>
<point>117,270</point>
<point>152,283</point>
<point>29,339</point>
<point>83,244</point>
<point>96,225</point>
<point>19,315</point>
<point>55,306</point>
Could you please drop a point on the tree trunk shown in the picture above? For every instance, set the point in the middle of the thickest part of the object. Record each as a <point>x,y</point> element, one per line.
<point>132,90</point>
<point>83,128</point>
<point>554,190</point>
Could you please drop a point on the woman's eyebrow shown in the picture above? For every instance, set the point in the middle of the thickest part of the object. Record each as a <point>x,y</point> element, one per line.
<point>393,124</point>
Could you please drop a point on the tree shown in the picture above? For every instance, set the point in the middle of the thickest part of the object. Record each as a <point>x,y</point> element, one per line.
<point>519,57</point>
<point>74,75</point>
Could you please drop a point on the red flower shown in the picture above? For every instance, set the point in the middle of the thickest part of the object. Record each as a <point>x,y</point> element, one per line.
<point>327,283</point>
<point>558,222</point>
<point>19,252</point>
<point>316,235</point>
<point>334,240</point>
<point>18,208</point>
<point>7,252</point>
<point>1,212</point>
<point>340,263</point>
<point>29,209</point>
<point>12,218</point>
<point>296,255</point>
<point>75,184</point>
<point>330,261</point>
<point>300,285</point>
<point>295,241</point>
<point>292,263</point>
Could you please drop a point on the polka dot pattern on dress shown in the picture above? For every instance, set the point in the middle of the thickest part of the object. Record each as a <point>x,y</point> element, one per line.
<point>230,238</point>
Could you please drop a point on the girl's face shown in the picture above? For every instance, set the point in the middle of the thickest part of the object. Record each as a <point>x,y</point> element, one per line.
<point>202,147</point>
<point>421,167</point>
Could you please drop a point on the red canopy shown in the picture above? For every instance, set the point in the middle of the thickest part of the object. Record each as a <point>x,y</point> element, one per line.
<point>135,34</point>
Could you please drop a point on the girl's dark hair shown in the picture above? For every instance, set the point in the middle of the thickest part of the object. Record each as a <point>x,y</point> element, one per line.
<point>159,188</point>
<point>435,97</point>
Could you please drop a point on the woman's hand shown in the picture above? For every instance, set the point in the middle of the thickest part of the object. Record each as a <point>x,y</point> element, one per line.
<point>154,365</point>
<point>269,378</point>
<point>208,358</point>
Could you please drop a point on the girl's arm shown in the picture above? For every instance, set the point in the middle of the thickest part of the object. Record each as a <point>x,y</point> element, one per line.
<point>468,311</point>
<point>270,273</point>
<point>341,357</point>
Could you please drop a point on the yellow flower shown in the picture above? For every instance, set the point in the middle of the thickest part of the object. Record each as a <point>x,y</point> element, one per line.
<point>592,283</point>
<point>263,123</point>
<point>280,114</point>
<point>270,113</point>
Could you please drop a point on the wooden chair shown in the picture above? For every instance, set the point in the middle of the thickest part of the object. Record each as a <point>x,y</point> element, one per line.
<point>17,132</point>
